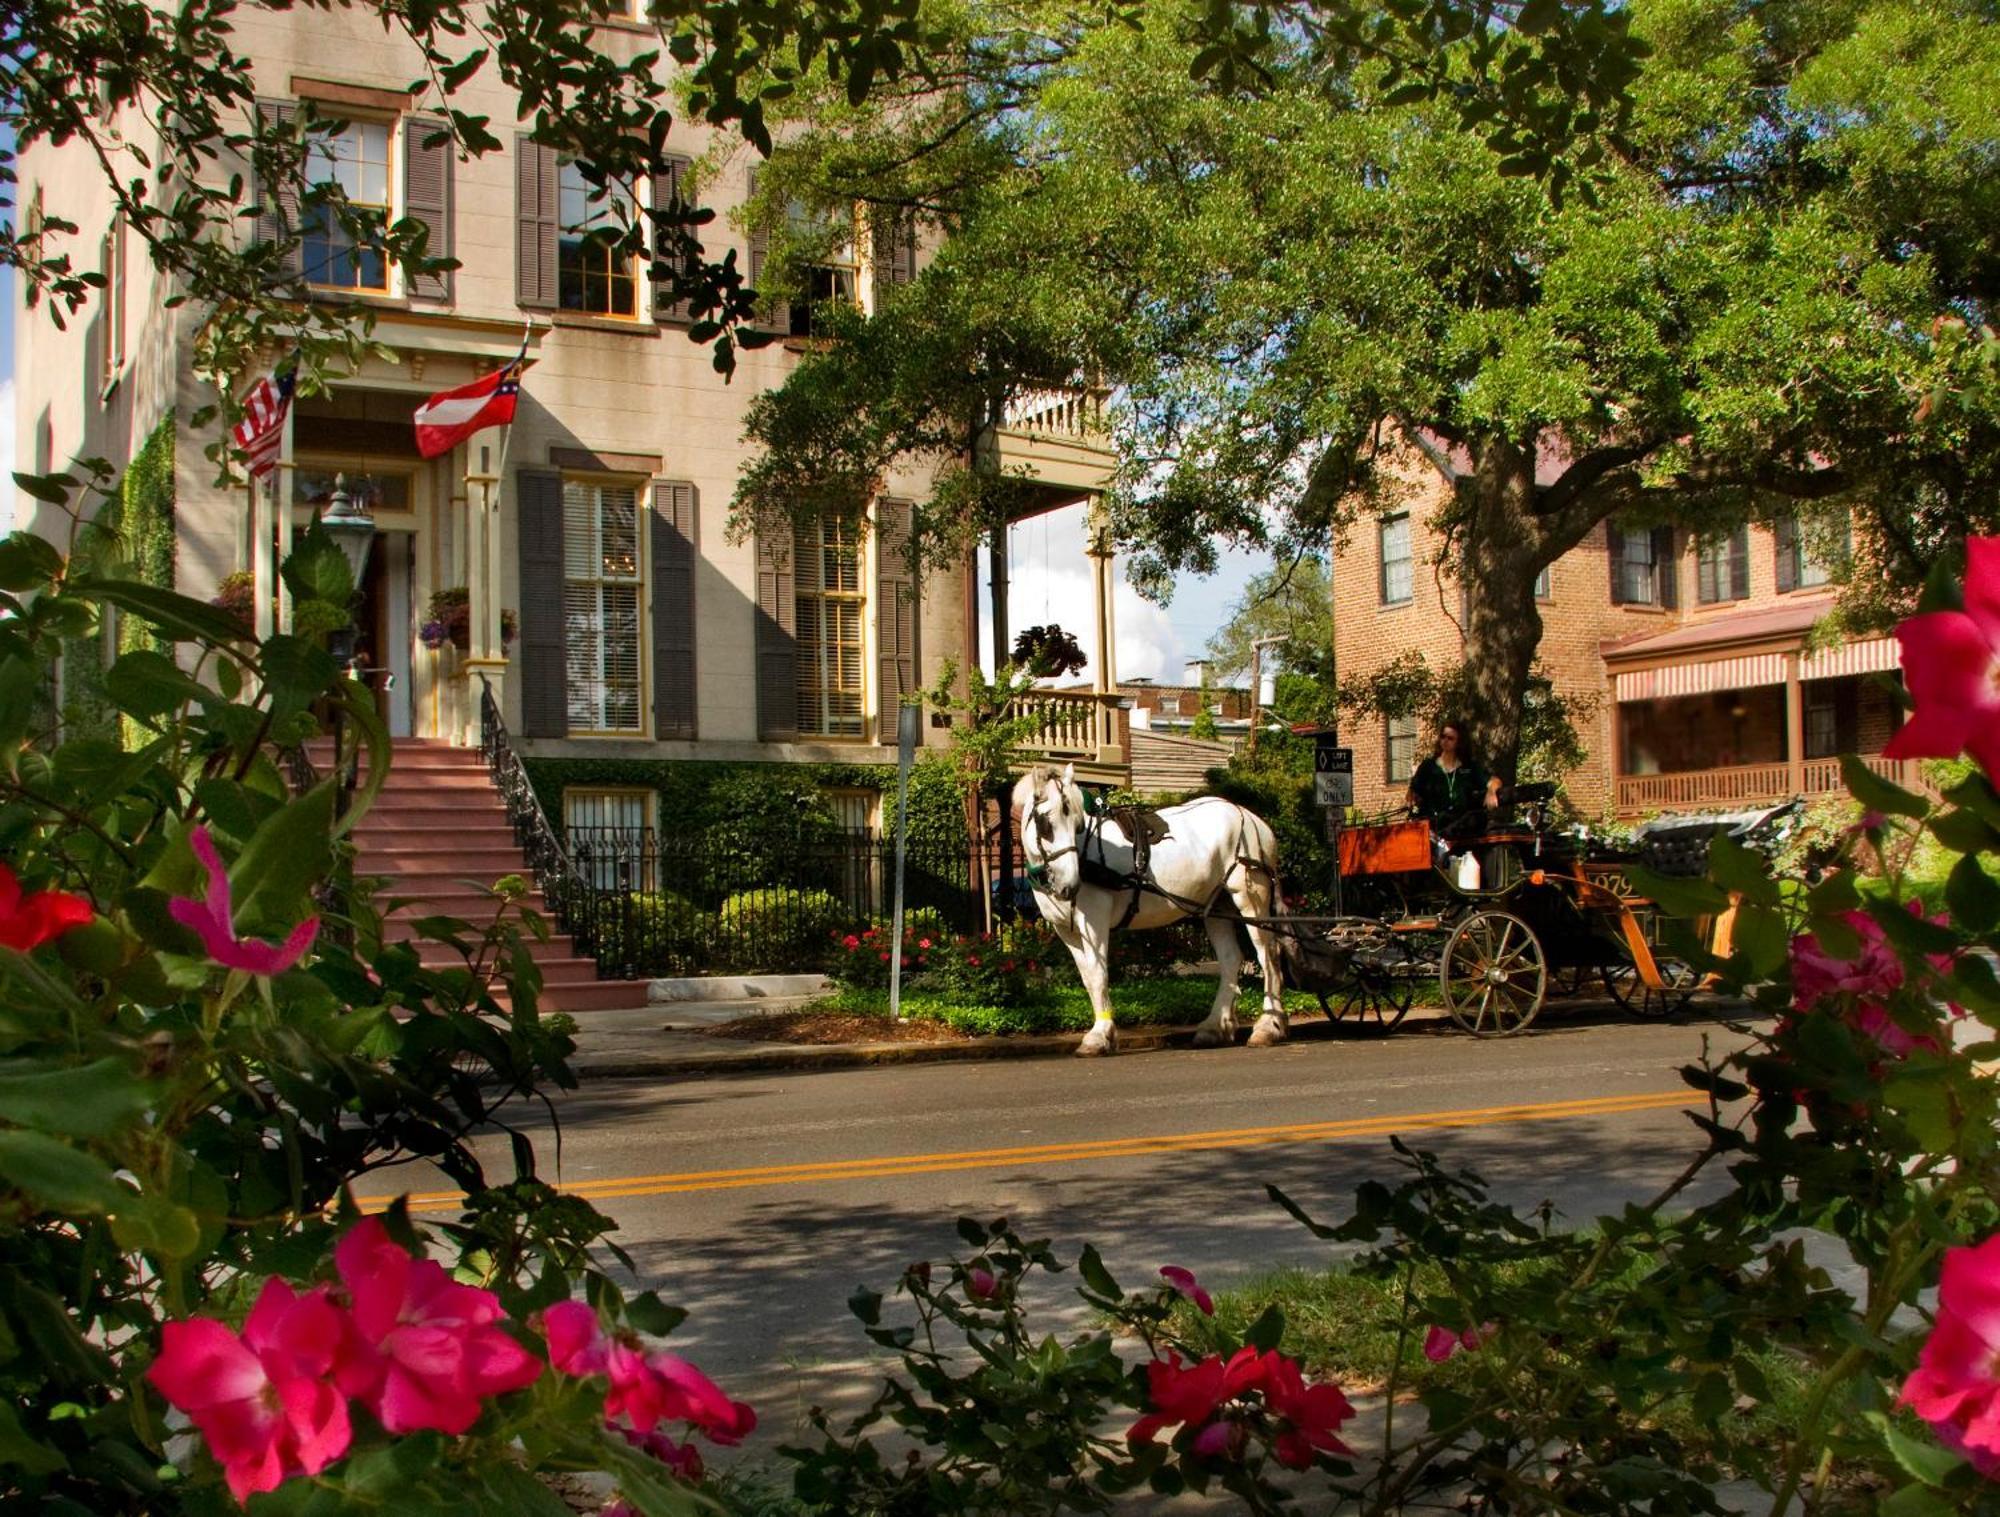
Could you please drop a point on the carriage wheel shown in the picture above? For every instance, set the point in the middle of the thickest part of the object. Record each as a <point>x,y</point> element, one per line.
<point>1494,974</point>
<point>1373,1001</point>
<point>1643,1000</point>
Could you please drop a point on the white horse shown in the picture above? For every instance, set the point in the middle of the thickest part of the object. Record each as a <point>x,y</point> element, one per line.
<point>1213,847</point>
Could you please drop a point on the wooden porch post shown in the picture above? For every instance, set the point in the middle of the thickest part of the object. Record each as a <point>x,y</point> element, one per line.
<point>1795,725</point>
<point>1110,746</point>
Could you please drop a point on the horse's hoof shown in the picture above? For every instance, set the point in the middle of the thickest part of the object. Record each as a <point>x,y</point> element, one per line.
<point>1267,1033</point>
<point>1094,1047</point>
<point>1213,1037</point>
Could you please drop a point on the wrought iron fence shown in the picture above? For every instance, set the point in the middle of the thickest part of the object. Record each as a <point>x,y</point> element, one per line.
<point>564,889</point>
<point>653,904</point>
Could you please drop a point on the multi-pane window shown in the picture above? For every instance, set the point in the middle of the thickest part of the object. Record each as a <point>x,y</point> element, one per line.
<point>609,833</point>
<point>1638,570</point>
<point>355,159</point>
<point>594,272</point>
<point>1814,571</point>
<point>1822,728</point>
<point>602,592</point>
<point>1399,744</point>
<point>1170,705</point>
<point>831,610</point>
<point>1545,582</point>
<point>1395,536</point>
<point>834,279</point>
<point>1722,567</point>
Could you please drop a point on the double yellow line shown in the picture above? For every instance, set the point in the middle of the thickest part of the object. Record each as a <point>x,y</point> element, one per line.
<point>833,1171</point>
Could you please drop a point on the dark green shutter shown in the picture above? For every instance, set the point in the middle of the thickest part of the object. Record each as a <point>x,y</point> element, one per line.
<point>895,251</point>
<point>670,211</point>
<point>1739,564</point>
<point>777,640</point>
<point>544,655</point>
<point>895,615</point>
<point>427,172</point>
<point>278,205</point>
<point>1666,569</point>
<point>674,551</point>
<point>1614,553</point>
<point>1786,531</point>
<point>778,315</point>
<point>535,175</point>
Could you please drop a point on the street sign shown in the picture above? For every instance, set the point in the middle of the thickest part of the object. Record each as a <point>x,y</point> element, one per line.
<point>1333,826</point>
<point>1334,789</point>
<point>1329,758</point>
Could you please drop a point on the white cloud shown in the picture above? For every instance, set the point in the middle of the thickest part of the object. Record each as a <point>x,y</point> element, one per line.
<point>8,494</point>
<point>1049,580</point>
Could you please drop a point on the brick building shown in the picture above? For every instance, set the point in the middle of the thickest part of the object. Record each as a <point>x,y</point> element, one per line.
<point>1691,665</point>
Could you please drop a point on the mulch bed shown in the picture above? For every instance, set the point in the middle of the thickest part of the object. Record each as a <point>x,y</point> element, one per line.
<point>816,1027</point>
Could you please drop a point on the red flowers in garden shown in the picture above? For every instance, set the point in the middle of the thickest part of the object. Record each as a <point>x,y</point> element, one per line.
<point>1951,662</point>
<point>212,918</point>
<point>1185,1284</point>
<point>1199,1396</point>
<point>1956,1384</point>
<point>1861,985</point>
<point>417,1349</point>
<point>646,1388</point>
<point>266,1400</point>
<point>31,918</point>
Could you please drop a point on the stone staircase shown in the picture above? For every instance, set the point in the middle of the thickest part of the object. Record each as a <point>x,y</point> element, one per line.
<point>439,833</point>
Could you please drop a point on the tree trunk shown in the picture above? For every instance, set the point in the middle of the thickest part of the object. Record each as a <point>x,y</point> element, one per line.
<point>1503,550</point>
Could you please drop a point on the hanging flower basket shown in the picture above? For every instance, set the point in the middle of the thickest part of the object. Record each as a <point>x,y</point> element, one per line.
<point>450,621</point>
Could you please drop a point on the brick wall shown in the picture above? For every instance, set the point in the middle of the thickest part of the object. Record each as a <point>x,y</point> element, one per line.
<point>1578,621</point>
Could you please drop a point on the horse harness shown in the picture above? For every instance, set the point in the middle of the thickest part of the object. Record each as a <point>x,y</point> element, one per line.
<point>1143,827</point>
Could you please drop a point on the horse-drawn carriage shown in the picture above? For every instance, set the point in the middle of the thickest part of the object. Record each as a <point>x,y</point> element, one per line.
<point>1544,919</point>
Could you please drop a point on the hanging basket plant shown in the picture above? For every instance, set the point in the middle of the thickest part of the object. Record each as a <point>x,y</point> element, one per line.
<point>450,621</point>
<point>1048,652</point>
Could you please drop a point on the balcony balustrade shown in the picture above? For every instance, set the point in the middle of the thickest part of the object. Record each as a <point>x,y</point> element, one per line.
<point>1740,785</point>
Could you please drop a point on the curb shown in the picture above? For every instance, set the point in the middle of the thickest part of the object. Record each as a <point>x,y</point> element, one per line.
<point>742,987</point>
<point>866,1055</point>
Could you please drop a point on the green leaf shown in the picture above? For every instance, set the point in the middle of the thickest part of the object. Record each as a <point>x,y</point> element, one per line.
<point>296,671</point>
<point>52,488</point>
<point>28,562</point>
<point>1911,933</point>
<point>1918,1501</point>
<point>1928,1105</point>
<point>317,570</point>
<point>290,854</point>
<point>649,1314</point>
<point>148,684</point>
<point>22,1451</point>
<point>83,1101</point>
<point>1268,1331</point>
<point>1679,897</point>
<point>153,1225</point>
<point>1877,793</point>
<point>1734,867</point>
<point>1096,1276</point>
<point>1965,832</point>
<point>1538,16</point>
<point>1763,939</point>
<point>866,1305</point>
<point>180,617</point>
<point>62,1178</point>
<point>1921,1459</point>
<point>1972,894</point>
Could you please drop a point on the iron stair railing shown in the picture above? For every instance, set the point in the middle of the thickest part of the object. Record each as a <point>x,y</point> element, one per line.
<point>570,897</point>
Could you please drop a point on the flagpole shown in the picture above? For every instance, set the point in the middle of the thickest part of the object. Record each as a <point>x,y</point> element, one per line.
<point>281,479</point>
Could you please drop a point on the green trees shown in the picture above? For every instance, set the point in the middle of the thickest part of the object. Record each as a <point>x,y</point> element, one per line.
<point>1291,287</point>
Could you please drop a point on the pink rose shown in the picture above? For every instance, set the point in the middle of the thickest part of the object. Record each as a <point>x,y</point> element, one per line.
<point>1184,1282</point>
<point>1951,662</point>
<point>1956,1384</point>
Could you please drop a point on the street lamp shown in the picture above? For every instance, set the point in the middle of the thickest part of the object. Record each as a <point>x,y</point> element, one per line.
<point>351,526</point>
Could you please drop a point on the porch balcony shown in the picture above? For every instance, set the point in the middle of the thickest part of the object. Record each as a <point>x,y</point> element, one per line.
<point>1087,728</point>
<point>1056,437</point>
<point>1736,786</point>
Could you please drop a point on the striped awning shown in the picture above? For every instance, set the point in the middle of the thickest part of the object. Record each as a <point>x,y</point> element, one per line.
<point>1873,655</point>
<point>1701,678</point>
<point>1876,655</point>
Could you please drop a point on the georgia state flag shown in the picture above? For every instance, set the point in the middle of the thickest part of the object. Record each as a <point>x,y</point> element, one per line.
<point>449,417</point>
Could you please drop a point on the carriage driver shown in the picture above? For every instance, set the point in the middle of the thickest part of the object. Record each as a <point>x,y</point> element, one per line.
<point>1451,790</point>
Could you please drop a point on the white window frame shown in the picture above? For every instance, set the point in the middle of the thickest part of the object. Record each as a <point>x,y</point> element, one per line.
<point>818,654</point>
<point>390,205</point>
<point>604,867</point>
<point>602,211</point>
<point>1631,567</point>
<point>585,597</point>
<point>802,221</point>
<point>1396,732</point>
<point>1398,573</point>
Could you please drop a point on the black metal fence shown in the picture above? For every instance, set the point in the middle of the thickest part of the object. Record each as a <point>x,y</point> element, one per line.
<point>648,904</point>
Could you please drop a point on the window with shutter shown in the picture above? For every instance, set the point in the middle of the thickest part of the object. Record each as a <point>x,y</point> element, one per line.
<point>428,161</point>
<point>895,615</point>
<point>341,243</point>
<point>777,640</point>
<point>674,553</point>
<point>535,176</point>
<point>602,592</point>
<point>541,656</point>
<point>1722,567</point>
<point>596,272</point>
<point>672,253</point>
<point>830,606</point>
<point>111,352</point>
<point>1634,568</point>
<point>833,279</point>
<point>1399,748</point>
<point>278,204</point>
<point>894,250</point>
<point>1785,538</point>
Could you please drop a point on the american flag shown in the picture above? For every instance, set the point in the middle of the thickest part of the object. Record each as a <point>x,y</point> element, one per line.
<point>261,432</point>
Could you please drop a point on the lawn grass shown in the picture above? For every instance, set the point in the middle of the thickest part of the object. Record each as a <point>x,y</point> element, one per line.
<point>1343,1325</point>
<point>1175,1001</point>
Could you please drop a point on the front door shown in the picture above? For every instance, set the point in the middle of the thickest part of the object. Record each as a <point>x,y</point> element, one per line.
<point>386,603</point>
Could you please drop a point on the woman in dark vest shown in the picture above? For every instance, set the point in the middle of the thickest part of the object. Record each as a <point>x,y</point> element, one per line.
<point>1450,789</point>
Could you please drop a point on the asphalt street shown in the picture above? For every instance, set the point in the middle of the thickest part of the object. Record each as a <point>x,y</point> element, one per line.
<point>759,1202</point>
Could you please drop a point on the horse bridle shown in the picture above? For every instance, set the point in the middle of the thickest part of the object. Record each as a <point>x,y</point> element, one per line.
<point>1038,869</point>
